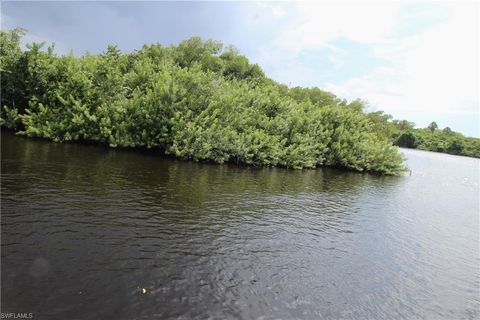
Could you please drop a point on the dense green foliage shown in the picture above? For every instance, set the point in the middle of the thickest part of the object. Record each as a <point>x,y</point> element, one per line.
<point>195,101</point>
<point>444,140</point>
<point>403,134</point>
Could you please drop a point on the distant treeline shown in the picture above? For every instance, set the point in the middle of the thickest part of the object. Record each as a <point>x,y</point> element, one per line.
<point>404,134</point>
<point>434,139</point>
<point>195,101</point>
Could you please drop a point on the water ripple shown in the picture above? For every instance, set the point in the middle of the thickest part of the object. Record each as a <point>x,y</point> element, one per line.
<point>220,242</point>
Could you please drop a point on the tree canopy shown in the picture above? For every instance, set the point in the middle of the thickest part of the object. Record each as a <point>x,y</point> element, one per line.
<point>197,100</point>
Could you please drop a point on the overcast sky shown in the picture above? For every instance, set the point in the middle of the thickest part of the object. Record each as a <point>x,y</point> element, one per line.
<point>415,60</point>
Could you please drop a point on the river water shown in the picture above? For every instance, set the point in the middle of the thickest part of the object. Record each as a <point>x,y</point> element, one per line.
<point>85,231</point>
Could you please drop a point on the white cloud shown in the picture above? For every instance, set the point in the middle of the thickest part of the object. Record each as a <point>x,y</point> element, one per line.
<point>325,21</point>
<point>314,25</point>
<point>432,69</point>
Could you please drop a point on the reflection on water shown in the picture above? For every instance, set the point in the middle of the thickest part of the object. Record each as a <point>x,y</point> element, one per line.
<point>85,228</point>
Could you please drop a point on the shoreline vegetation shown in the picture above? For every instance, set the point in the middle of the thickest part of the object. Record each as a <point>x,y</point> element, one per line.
<point>203,102</point>
<point>436,140</point>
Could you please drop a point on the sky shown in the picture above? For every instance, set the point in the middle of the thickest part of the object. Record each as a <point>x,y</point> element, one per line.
<point>414,60</point>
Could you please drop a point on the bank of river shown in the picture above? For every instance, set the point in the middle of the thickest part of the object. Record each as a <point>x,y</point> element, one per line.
<point>85,228</point>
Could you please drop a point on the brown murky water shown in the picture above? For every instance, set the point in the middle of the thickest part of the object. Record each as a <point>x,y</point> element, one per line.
<point>85,229</point>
